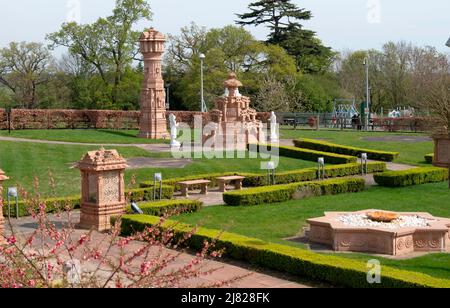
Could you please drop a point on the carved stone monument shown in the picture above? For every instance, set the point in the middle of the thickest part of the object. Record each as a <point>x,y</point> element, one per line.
<point>3,177</point>
<point>236,123</point>
<point>102,188</point>
<point>273,128</point>
<point>153,124</point>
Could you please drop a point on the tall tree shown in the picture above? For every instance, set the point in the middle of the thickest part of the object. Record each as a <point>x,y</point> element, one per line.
<point>284,19</point>
<point>109,44</point>
<point>23,68</point>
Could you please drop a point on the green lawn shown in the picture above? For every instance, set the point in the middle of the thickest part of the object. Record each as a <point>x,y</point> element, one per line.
<point>101,136</point>
<point>276,222</point>
<point>22,162</point>
<point>410,152</point>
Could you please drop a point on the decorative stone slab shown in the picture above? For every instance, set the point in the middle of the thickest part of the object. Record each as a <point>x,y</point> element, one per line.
<point>329,230</point>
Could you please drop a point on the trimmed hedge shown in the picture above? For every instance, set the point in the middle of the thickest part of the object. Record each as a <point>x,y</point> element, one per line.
<point>429,158</point>
<point>411,177</point>
<point>305,154</point>
<point>329,268</point>
<point>295,191</point>
<point>55,204</point>
<point>161,208</point>
<point>346,150</point>
<point>286,177</point>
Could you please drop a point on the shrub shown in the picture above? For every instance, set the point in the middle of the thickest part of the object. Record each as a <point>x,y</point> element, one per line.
<point>429,158</point>
<point>162,208</point>
<point>305,154</point>
<point>172,182</point>
<point>411,177</point>
<point>333,269</point>
<point>346,150</point>
<point>281,193</point>
<point>57,204</point>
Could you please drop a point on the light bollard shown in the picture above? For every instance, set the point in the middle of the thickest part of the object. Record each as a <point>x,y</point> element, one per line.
<point>271,172</point>
<point>321,168</point>
<point>12,193</point>
<point>157,180</point>
<point>364,166</point>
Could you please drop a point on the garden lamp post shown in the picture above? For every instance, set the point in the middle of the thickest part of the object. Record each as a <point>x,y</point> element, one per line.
<point>202,61</point>
<point>168,96</point>
<point>367,108</point>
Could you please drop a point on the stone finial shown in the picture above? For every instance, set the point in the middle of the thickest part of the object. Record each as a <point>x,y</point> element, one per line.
<point>101,160</point>
<point>232,82</point>
<point>152,35</point>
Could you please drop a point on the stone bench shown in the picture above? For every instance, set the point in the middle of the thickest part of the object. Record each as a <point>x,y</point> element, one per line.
<point>187,184</point>
<point>223,181</point>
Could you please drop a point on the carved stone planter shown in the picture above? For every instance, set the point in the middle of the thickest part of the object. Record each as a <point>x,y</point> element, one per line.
<point>442,152</point>
<point>331,231</point>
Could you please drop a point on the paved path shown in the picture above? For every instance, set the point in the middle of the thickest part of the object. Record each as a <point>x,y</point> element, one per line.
<point>225,270</point>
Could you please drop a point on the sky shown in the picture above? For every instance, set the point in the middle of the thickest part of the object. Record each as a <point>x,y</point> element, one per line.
<point>341,24</point>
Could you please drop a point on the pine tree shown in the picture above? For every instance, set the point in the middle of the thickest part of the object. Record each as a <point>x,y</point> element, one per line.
<point>284,18</point>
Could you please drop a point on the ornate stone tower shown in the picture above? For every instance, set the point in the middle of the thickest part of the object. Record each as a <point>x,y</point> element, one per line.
<point>102,188</point>
<point>153,124</point>
<point>3,177</point>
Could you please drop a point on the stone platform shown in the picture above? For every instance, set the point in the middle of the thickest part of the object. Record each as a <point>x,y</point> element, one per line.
<point>331,231</point>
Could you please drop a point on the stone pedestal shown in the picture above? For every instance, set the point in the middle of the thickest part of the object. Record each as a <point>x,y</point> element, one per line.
<point>103,188</point>
<point>153,123</point>
<point>3,177</point>
<point>442,152</point>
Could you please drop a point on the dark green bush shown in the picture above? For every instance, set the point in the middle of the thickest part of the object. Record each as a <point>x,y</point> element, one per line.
<point>164,207</point>
<point>336,270</point>
<point>411,177</point>
<point>281,193</point>
<point>342,149</point>
<point>305,154</point>
<point>429,158</point>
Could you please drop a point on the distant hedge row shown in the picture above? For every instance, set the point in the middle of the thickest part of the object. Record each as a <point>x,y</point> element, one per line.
<point>346,150</point>
<point>164,207</point>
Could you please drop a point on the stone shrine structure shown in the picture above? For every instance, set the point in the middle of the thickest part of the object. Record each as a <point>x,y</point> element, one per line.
<point>236,123</point>
<point>153,124</point>
<point>102,188</point>
<point>3,177</point>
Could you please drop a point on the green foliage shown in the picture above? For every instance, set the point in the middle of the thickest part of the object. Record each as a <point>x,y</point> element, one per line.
<point>303,263</point>
<point>168,207</point>
<point>52,205</point>
<point>147,193</point>
<point>346,150</point>
<point>304,154</point>
<point>294,191</point>
<point>411,177</point>
<point>429,158</point>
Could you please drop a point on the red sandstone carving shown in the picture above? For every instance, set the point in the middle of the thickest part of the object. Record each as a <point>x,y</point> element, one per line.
<point>236,123</point>
<point>3,177</point>
<point>328,230</point>
<point>103,188</point>
<point>153,124</point>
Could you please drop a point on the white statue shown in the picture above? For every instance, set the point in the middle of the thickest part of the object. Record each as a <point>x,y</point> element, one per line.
<point>273,127</point>
<point>174,131</point>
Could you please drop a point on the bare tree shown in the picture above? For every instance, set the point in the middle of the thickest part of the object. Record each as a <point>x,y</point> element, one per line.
<point>23,68</point>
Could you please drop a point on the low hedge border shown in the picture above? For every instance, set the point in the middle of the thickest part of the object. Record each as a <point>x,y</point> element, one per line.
<point>294,176</point>
<point>429,158</point>
<point>411,177</point>
<point>318,145</point>
<point>294,191</point>
<point>304,154</point>
<point>56,204</point>
<point>164,207</point>
<point>332,269</point>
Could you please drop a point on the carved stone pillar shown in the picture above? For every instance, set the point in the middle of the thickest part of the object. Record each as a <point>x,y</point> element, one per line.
<point>153,123</point>
<point>102,188</point>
